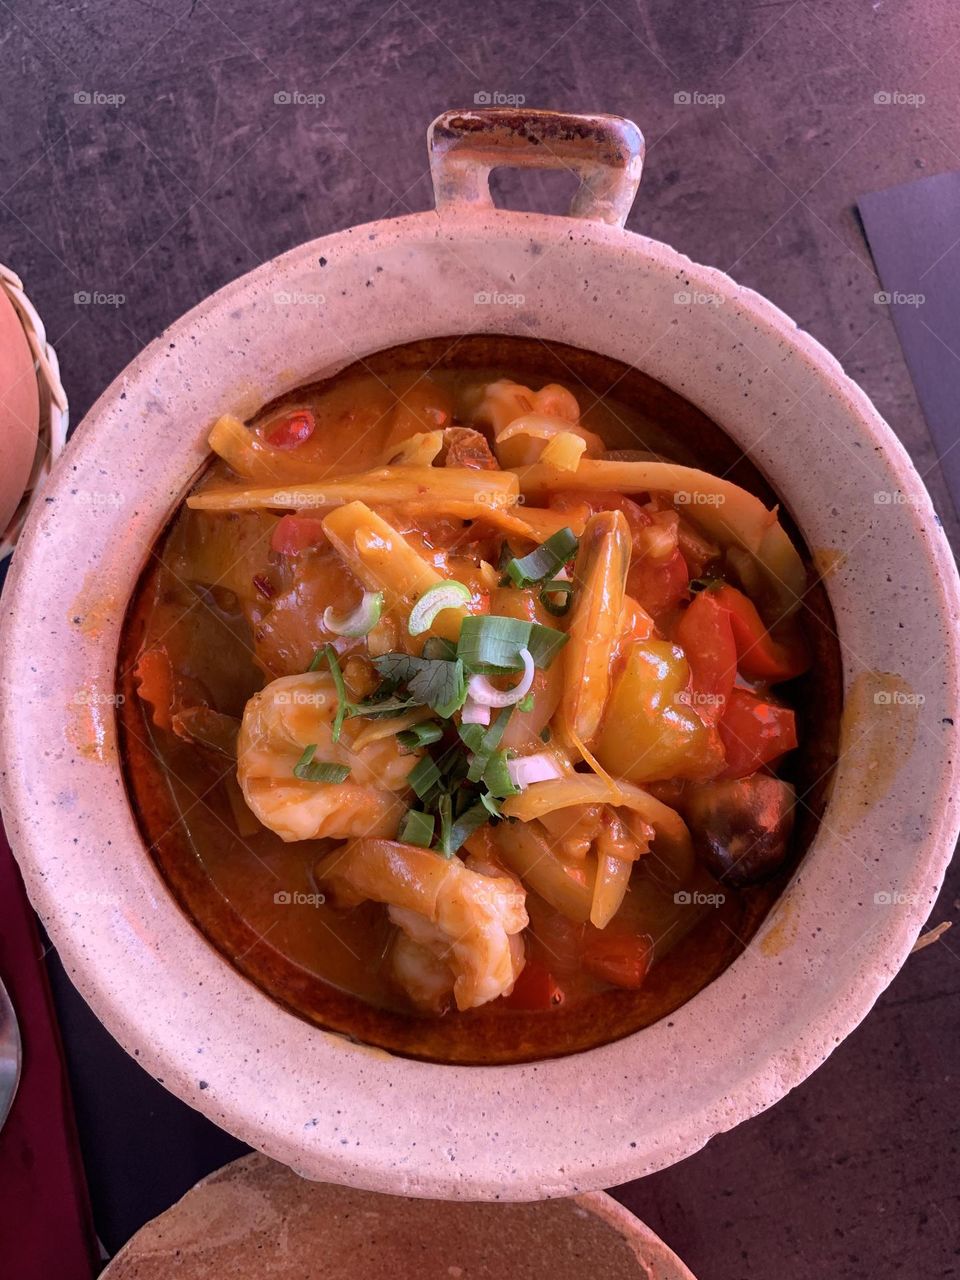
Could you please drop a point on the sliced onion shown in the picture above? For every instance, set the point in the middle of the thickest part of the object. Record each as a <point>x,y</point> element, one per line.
<point>362,620</point>
<point>444,595</point>
<point>541,767</point>
<point>475,712</point>
<point>481,690</point>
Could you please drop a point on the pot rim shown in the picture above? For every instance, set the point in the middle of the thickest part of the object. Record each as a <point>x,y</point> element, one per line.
<point>163,1050</point>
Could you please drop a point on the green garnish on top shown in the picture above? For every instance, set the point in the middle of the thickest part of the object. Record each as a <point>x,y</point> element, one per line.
<point>464,771</point>
<point>309,770</point>
<point>431,682</point>
<point>490,645</point>
<point>544,561</point>
<point>417,828</point>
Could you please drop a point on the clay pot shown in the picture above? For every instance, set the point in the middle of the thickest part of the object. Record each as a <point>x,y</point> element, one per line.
<point>335,1110</point>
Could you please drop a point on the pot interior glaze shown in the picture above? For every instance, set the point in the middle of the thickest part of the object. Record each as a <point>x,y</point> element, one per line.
<point>226,884</point>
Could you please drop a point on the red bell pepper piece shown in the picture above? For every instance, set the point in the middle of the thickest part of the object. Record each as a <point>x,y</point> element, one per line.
<point>754,732</point>
<point>535,989</point>
<point>759,655</point>
<point>658,585</point>
<point>705,634</point>
<point>622,959</point>
<point>291,429</point>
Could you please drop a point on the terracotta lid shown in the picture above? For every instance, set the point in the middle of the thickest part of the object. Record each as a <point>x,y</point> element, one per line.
<point>256,1217</point>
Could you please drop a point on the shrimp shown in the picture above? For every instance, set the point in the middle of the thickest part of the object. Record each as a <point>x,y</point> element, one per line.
<point>279,723</point>
<point>600,576</point>
<point>460,924</point>
<point>426,978</point>
<point>524,422</point>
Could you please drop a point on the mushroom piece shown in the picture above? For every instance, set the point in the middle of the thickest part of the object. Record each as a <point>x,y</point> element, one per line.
<point>464,447</point>
<point>741,827</point>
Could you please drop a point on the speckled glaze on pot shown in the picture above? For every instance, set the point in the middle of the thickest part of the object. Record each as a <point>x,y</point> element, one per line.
<point>255,1214</point>
<point>340,1112</point>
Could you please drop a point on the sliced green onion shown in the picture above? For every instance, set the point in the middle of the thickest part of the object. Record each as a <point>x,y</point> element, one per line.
<point>469,821</point>
<point>483,692</point>
<point>343,702</point>
<point>417,828</point>
<point>545,643</point>
<point>445,809</point>
<point>445,595</point>
<point>471,735</point>
<point>424,776</point>
<point>487,744</point>
<point>420,735</point>
<point>490,644</point>
<point>496,776</point>
<point>550,590</point>
<point>544,561</point>
<point>526,704</point>
<point>361,621</point>
<point>309,770</point>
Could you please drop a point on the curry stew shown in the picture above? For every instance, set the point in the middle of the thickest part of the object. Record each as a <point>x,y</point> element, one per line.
<point>478,700</point>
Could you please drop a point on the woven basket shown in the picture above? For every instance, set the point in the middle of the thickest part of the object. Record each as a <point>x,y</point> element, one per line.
<point>54,411</point>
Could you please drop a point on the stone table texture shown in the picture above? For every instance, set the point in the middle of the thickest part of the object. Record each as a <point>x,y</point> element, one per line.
<point>146,160</point>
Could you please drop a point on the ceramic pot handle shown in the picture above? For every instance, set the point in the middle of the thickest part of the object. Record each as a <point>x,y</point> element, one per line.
<point>606,153</point>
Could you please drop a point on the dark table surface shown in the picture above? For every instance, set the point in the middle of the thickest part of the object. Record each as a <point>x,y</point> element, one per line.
<point>197,175</point>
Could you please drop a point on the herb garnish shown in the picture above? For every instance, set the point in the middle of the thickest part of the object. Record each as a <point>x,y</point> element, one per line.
<point>417,828</point>
<point>309,770</point>
<point>463,771</point>
<point>544,561</point>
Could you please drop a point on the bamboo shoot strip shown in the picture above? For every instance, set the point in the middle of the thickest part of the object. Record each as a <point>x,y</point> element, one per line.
<point>383,484</point>
<point>252,458</point>
<point>523,846</point>
<point>673,838</point>
<point>384,561</point>
<point>535,523</point>
<point>725,512</point>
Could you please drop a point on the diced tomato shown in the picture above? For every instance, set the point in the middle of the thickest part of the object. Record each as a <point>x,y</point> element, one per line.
<point>622,959</point>
<point>658,584</point>
<point>705,634</point>
<point>587,502</point>
<point>535,989</point>
<point>296,533</point>
<point>760,656</point>
<point>755,732</point>
<point>291,429</point>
